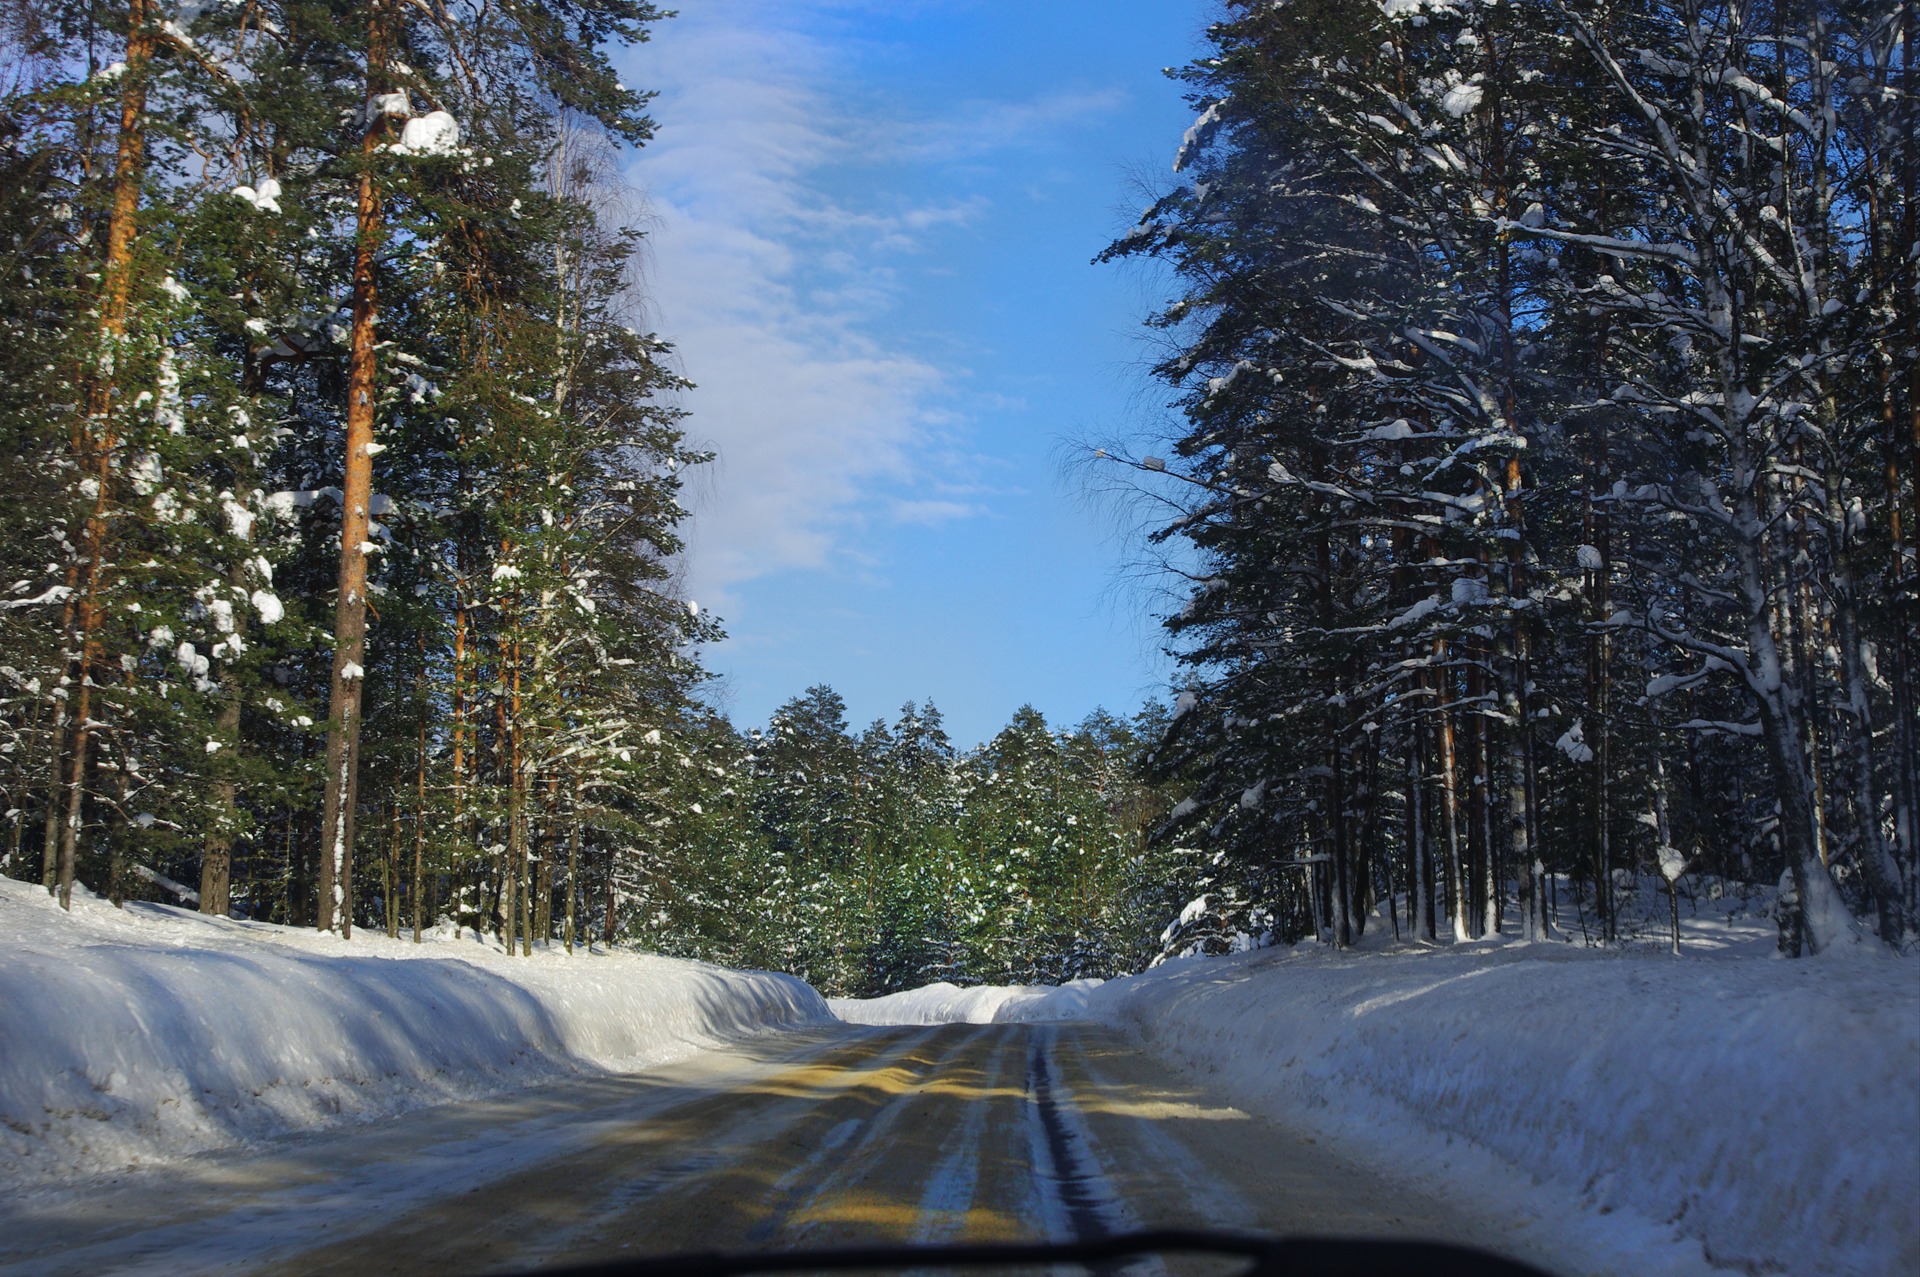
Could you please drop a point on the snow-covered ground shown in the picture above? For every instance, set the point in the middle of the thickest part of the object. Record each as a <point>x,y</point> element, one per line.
<point>140,1035</point>
<point>1763,1113</point>
<point>1723,1106</point>
<point>1769,1110</point>
<point>945,1003</point>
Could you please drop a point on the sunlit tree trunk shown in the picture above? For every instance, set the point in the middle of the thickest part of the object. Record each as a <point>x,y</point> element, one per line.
<point>350,608</point>
<point>97,433</point>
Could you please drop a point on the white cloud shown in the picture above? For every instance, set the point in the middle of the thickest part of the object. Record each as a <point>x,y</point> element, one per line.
<point>766,288</point>
<point>929,513</point>
<point>978,128</point>
<point>776,292</point>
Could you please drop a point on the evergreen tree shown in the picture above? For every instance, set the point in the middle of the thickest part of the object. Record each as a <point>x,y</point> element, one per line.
<point>1487,329</point>
<point>397,217</point>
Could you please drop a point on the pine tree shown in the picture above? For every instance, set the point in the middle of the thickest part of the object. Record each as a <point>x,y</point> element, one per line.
<point>197,356</point>
<point>1453,278</point>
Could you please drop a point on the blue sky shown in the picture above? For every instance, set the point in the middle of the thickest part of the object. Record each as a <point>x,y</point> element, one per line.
<point>871,225</point>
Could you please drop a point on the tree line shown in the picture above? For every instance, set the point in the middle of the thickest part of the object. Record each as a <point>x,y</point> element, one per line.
<point>1543,482</point>
<point>883,859</point>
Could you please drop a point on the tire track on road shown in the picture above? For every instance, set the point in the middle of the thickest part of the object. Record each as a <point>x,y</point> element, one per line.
<point>844,1136</point>
<point>803,1208</point>
<point>1063,1156</point>
<point>946,1206</point>
<point>1141,1125</point>
<point>663,1184</point>
<point>1090,1204</point>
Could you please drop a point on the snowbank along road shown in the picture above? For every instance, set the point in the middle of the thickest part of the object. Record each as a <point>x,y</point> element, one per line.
<point>828,1136</point>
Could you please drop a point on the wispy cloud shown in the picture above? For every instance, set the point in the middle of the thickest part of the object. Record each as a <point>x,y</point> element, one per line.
<point>776,290</point>
<point>982,127</point>
<point>931,513</point>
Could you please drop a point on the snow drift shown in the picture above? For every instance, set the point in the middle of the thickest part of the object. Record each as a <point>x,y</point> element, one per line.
<point>148,1033</point>
<point>1765,1112</point>
<point>1768,1110</point>
<point>945,1003</point>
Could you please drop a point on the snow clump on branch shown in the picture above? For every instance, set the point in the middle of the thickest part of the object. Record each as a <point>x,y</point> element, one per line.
<point>435,133</point>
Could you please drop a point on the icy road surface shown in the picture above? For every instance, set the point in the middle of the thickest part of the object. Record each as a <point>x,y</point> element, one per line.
<point>829,1136</point>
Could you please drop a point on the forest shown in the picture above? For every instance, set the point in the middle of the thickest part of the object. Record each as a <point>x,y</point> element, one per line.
<point>1536,490</point>
<point>1544,489</point>
<point>343,484</point>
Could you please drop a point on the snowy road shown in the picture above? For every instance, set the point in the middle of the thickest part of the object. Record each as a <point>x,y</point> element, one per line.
<point>811,1139</point>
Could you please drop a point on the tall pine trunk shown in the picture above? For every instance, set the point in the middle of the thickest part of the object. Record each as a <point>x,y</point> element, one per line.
<point>1419,848</point>
<point>216,858</point>
<point>350,607</point>
<point>1825,920</point>
<point>418,895</point>
<point>1599,686</point>
<point>97,435</point>
<point>56,767</point>
<point>1457,904</point>
<point>573,861</point>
